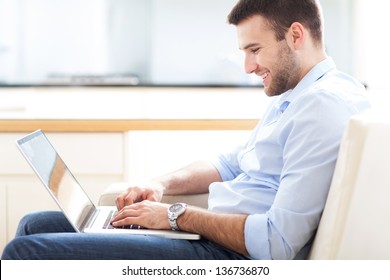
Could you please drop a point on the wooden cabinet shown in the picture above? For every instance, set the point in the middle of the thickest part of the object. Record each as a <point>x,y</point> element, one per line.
<point>154,153</point>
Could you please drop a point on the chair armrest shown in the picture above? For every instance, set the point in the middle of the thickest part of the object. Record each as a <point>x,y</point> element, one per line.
<point>107,198</point>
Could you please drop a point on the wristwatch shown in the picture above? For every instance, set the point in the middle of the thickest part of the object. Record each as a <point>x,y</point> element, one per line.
<point>174,211</point>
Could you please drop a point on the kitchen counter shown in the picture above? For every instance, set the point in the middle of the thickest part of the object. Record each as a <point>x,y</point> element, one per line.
<point>122,125</point>
<point>105,109</point>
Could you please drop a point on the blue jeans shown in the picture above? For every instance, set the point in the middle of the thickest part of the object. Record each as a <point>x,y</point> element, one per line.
<point>48,235</point>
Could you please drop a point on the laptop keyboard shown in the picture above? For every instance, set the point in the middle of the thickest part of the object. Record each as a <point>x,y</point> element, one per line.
<point>107,224</point>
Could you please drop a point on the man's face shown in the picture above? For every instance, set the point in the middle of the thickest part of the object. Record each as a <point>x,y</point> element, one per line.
<point>268,58</point>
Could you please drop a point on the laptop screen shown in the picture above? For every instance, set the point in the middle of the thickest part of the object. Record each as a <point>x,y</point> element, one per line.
<point>57,178</point>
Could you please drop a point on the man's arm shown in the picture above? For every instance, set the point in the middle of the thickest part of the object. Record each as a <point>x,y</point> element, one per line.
<point>192,179</point>
<point>224,229</point>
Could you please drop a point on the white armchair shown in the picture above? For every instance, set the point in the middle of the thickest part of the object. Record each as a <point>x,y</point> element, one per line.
<point>354,224</point>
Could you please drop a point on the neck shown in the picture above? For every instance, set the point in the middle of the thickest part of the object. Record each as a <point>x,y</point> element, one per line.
<point>312,59</point>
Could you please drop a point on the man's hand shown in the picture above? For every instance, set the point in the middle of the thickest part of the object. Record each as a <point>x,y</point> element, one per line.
<point>140,206</point>
<point>136,194</point>
<point>149,214</point>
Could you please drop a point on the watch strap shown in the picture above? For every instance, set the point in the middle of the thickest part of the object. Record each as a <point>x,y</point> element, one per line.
<point>174,215</point>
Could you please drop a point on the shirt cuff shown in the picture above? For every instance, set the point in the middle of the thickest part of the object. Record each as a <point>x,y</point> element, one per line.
<point>223,172</point>
<point>256,237</point>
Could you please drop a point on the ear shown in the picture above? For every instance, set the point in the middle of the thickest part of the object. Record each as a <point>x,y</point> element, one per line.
<point>296,35</point>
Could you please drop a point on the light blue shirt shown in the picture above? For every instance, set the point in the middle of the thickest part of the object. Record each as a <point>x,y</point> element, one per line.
<point>282,175</point>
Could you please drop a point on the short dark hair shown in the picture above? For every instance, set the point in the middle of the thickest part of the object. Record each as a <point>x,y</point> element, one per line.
<point>280,14</point>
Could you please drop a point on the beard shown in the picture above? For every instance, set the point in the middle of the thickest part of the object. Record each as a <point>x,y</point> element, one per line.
<point>286,73</point>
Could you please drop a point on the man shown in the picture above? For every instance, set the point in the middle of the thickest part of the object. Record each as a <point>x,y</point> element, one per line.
<point>266,197</point>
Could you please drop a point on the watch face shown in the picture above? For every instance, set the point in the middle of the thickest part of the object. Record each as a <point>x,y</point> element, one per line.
<point>176,207</point>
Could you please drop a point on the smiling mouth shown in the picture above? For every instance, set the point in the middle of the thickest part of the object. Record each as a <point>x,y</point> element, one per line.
<point>264,75</point>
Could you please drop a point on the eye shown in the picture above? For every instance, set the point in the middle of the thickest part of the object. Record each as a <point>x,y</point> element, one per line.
<point>255,50</point>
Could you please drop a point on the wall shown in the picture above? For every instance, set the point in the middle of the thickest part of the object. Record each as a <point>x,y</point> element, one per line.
<point>165,41</point>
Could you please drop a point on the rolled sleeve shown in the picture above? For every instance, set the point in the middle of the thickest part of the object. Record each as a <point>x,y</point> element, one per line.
<point>228,164</point>
<point>256,237</point>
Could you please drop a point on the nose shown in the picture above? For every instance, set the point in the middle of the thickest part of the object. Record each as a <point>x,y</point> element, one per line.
<point>250,64</point>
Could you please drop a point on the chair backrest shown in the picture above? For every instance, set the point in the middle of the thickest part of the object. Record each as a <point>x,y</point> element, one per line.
<point>355,222</point>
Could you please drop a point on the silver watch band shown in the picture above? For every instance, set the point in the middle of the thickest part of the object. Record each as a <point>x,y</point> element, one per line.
<point>174,212</point>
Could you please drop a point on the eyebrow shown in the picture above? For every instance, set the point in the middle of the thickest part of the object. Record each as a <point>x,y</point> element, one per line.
<point>250,45</point>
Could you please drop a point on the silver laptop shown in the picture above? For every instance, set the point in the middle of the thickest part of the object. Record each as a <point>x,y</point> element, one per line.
<point>70,196</point>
